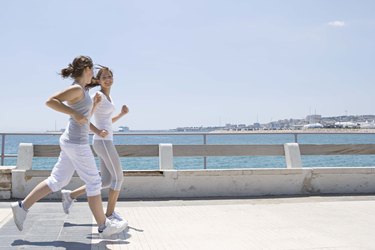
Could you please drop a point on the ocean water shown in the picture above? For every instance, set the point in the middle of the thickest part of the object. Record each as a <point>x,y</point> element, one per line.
<point>152,163</point>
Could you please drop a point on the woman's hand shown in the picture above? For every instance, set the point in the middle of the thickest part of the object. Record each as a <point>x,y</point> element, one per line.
<point>103,133</point>
<point>124,110</point>
<point>97,98</point>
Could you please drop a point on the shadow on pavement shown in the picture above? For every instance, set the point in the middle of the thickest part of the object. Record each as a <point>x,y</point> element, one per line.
<point>68,224</point>
<point>68,245</point>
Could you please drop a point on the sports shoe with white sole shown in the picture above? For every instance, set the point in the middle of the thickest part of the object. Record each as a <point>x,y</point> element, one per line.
<point>115,216</point>
<point>67,201</point>
<point>113,227</point>
<point>19,214</point>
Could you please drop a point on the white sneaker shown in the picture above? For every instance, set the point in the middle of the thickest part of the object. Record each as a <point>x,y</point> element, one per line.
<point>67,201</point>
<point>113,227</point>
<point>115,216</point>
<point>19,214</point>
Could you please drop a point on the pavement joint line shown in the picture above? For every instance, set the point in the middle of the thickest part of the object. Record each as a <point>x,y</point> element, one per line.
<point>6,219</point>
<point>61,229</point>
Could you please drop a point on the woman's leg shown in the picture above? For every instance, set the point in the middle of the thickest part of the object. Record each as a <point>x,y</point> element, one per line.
<point>78,192</point>
<point>112,200</point>
<point>105,176</point>
<point>111,166</point>
<point>95,203</point>
<point>85,166</point>
<point>106,183</point>
<point>20,209</point>
<point>60,176</point>
<point>39,192</point>
<point>68,197</point>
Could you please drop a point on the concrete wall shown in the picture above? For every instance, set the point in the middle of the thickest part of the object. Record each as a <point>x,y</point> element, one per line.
<point>223,183</point>
<point>5,182</point>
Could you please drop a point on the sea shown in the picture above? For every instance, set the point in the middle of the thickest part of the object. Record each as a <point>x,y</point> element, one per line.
<point>152,163</point>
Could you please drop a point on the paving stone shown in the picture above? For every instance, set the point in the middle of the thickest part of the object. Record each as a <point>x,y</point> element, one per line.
<point>343,222</point>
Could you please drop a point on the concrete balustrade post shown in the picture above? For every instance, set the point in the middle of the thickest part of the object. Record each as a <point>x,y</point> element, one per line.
<point>25,156</point>
<point>24,163</point>
<point>292,155</point>
<point>165,156</point>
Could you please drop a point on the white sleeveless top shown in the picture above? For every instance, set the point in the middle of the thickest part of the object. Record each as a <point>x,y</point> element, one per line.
<point>103,117</point>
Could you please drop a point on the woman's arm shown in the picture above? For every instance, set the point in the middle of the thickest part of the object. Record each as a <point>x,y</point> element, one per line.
<point>124,111</point>
<point>72,94</point>
<point>96,100</point>
<point>102,133</point>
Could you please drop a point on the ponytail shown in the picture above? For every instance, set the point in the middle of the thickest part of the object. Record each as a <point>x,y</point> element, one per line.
<point>76,68</point>
<point>66,72</point>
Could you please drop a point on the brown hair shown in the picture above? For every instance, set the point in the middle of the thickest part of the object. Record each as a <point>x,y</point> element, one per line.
<point>95,80</point>
<point>76,68</point>
<point>101,71</point>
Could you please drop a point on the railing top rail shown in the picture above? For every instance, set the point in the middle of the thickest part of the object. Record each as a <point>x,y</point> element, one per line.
<point>223,150</point>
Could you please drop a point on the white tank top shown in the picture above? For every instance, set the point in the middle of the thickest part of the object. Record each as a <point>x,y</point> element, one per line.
<point>103,117</point>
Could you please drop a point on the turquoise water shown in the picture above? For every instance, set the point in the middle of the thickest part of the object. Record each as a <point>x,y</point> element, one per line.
<point>152,163</point>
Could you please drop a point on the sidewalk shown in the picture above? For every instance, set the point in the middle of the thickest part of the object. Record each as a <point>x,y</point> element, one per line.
<point>340,222</point>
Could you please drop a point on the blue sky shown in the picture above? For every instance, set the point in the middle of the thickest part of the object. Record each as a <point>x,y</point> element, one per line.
<point>192,63</point>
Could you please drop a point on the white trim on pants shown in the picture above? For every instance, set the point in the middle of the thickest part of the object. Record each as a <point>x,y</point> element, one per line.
<point>79,158</point>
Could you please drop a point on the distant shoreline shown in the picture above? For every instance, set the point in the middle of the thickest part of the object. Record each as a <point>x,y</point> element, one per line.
<point>287,131</point>
<point>306,131</point>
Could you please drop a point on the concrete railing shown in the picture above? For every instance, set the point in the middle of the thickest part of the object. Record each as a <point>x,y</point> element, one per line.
<point>166,152</point>
<point>168,182</point>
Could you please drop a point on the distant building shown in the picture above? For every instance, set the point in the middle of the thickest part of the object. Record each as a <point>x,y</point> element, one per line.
<point>256,126</point>
<point>313,118</point>
<point>241,126</point>
<point>368,125</point>
<point>313,122</point>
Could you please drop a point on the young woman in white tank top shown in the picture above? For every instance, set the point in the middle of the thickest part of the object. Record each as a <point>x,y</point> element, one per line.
<point>110,165</point>
<point>76,154</point>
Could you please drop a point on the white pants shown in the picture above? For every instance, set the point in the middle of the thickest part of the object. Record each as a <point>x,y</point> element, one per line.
<point>79,158</point>
<point>110,165</point>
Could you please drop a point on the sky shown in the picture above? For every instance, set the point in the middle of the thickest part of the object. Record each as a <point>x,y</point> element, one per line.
<point>191,63</point>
